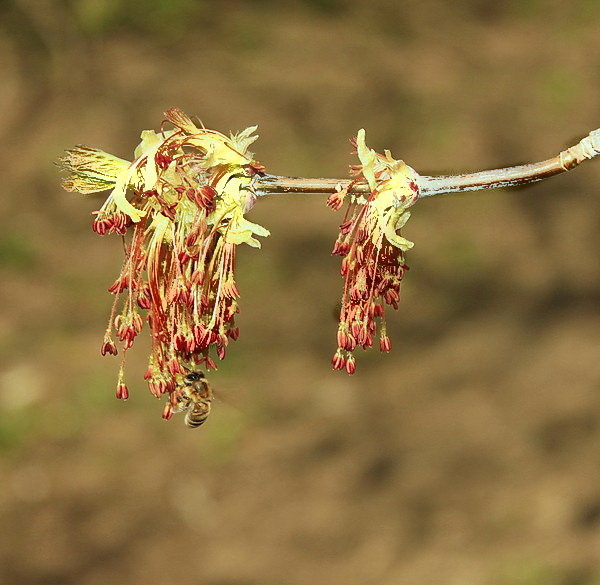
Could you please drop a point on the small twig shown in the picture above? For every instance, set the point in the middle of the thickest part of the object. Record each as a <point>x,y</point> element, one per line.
<point>568,159</point>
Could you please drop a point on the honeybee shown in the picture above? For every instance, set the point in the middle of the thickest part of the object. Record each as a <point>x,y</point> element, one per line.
<point>196,396</point>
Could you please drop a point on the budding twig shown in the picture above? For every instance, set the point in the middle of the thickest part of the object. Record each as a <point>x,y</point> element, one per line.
<point>568,159</point>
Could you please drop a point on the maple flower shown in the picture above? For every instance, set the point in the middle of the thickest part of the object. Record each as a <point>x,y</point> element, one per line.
<point>182,202</point>
<point>372,249</point>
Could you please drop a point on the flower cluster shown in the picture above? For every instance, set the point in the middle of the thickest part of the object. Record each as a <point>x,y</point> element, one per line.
<point>372,249</point>
<point>182,201</point>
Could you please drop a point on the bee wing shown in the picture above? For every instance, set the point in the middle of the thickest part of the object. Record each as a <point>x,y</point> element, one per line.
<point>230,398</point>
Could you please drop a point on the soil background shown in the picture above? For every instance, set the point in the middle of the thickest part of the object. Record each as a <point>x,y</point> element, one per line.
<point>468,456</point>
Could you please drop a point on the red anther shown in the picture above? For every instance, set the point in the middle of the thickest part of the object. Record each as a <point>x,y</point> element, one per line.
<point>344,267</point>
<point>143,302</point>
<point>179,342</point>
<point>167,412</point>
<point>122,391</point>
<point>125,330</point>
<point>361,337</point>
<point>361,235</point>
<point>148,374</point>
<point>391,296</point>
<point>341,247</point>
<point>351,365</point>
<point>162,160</point>
<point>378,311</point>
<point>210,363</point>
<point>230,311</point>
<point>186,297</point>
<point>342,338</point>
<point>154,389</point>
<point>350,343</point>
<point>356,293</point>
<point>199,331</point>
<point>230,290</point>
<point>209,205</point>
<point>205,197</point>
<point>338,361</point>
<point>209,192</point>
<point>108,347</point>
<point>183,258</point>
<point>121,222</point>
<point>191,239</point>
<point>198,277</point>
<point>233,333</point>
<point>196,197</point>
<point>359,254</point>
<point>221,351</point>
<point>169,386</point>
<point>144,299</point>
<point>100,225</point>
<point>345,228</point>
<point>137,322</point>
<point>336,200</point>
<point>119,285</point>
<point>174,367</point>
<point>203,340</point>
<point>169,211</point>
<point>344,248</point>
<point>255,167</point>
<point>385,343</point>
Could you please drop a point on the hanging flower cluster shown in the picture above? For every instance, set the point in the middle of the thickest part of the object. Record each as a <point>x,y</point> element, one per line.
<point>182,201</point>
<point>372,249</point>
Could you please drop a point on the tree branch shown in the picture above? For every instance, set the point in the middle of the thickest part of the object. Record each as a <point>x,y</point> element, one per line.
<point>568,159</point>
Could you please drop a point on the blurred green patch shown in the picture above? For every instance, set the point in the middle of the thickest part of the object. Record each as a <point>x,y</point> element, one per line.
<point>577,12</point>
<point>527,8</point>
<point>169,18</point>
<point>15,428</point>
<point>531,571</point>
<point>17,252</point>
<point>528,572</point>
<point>461,256</point>
<point>440,129</point>
<point>221,434</point>
<point>90,398</point>
<point>247,35</point>
<point>327,6</point>
<point>559,87</point>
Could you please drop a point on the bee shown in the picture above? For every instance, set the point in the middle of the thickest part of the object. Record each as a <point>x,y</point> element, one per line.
<point>195,398</point>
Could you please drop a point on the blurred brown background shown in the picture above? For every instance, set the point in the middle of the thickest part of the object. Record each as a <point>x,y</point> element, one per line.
<point>470,455</point>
